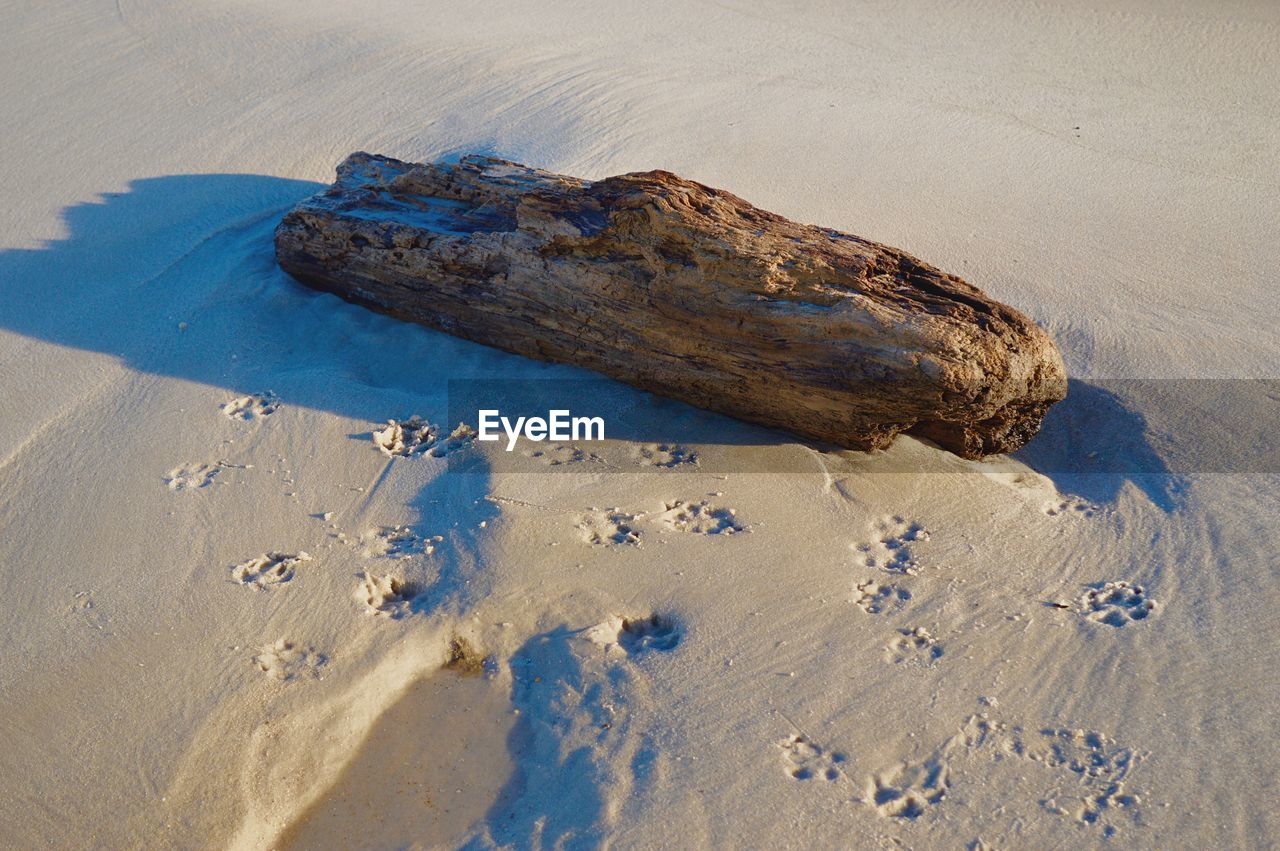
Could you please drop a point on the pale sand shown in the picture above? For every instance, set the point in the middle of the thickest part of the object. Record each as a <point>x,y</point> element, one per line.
<point>838,677</point>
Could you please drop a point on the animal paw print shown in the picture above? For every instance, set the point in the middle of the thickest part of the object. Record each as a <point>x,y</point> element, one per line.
<point>806,760</point>
<point>908,790</point>
<point>876,598</point>
<point>460,438</point>
<point>701,518</point>
<point>192,476</point>
<point>252,407</point>
<point>1088,770</point>
<point>667,455</point>
<point>285,660</point>
<point>656,632</point>
<point>914,645</point>
<point>1115,603</point>
<point>416,436</point>
<point>1076,507</point>
<point>386,595</point>
<point>637,635</point>
<point>268,570</point>
<point>83,607</point>
<point>893,548</point>
<point>560,454</point>
<point>403,439</point>
<point>397,542</point>
<point>610,527</point>
<point>1099,768</point>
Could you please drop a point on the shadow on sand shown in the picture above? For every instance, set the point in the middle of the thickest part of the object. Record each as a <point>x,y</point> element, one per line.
<point>177,277</point>
<point>573,722</point>
<point>1091,443</point>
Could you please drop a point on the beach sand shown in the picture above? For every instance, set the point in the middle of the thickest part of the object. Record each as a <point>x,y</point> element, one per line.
<point>231,621</point>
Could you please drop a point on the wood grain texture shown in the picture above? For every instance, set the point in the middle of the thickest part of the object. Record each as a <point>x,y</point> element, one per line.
<point>683,290</point>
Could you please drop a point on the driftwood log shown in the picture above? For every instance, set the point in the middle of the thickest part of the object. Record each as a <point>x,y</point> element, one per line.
<point>683,290</point>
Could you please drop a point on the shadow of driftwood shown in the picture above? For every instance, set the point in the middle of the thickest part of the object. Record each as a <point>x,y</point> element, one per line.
<point>1093,442</point>
<point>178,277</point>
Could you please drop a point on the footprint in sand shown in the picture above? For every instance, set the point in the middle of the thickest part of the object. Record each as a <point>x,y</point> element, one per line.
<point>268,570</point>
<point>1071,506</point>
<point>190,477</point>
<point>656,632</point>
<point>907,790</point>
<point>1083,773</point>
<point>914,645</point>
<point>701,518</point>
<point>416,436</point>
<point>1094,768</point>
<point>385,595</point>
<point>560,454</point>
<point>458,439</point>
<point>1096,764</point>
<point>403,439</point>
<point>893,546</point>
<point>635,636</point>
<point>609,527</point>
<point>666,455</point>
<point>606,527</point>
<point>288,660</point>
<point>252,407</point>
<point>396,542</point>
<point>1115,604</point>
<point>85,608</point>
<point>875,598</point>
<point>804,759</point>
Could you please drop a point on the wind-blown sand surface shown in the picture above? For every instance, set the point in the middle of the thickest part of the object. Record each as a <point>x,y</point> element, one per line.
<point>204,646</point>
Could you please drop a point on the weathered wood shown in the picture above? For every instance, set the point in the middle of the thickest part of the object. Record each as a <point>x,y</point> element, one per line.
<point>684,290</point>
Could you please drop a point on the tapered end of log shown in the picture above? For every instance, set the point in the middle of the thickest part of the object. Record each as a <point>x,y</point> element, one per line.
<point>684,290</point>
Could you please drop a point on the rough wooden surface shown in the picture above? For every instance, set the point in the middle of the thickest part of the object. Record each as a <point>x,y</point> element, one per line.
<point>684,290</point>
